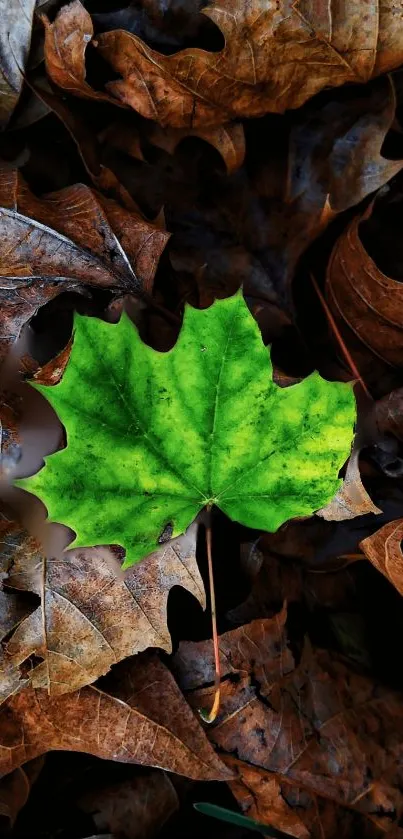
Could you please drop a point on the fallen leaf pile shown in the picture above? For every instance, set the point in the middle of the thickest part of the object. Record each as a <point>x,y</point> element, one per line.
<point>201,334</point>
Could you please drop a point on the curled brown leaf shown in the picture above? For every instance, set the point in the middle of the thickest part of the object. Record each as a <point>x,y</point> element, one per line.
<point>384,550</point>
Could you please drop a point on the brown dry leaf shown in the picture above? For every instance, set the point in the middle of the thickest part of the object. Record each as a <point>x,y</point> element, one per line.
<point>273,799</point>
<point>274,58</point>
<point>15,789</point>
<point>134,809</point>
<point>91,614</point>
<point>343,137</point>
<point>365,302</point>
<point>64,241</point>
<point>321,725</point>
<point>137,716</point>
<point>66,41</point>
<point>262,641</point>
<point>352,498</point>
<point>384,550</point>
<point>15,39</point>
<point>86,144</point>
<point>254,228</point>
<point>52,372</point>
<point>229,140</point>
<point>261,798</point>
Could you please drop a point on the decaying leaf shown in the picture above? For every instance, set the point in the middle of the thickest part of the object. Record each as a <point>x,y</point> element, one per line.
<point>65,241</point>
<point>90,615</point>
<point>336,147</point>
<point>262,641</point>
<point>139,716</point>
<point>254,228</point>
<point>352,498</point>
<point>230,419</point>
<point>365,302</point>
<point>384,550</point>
<point>274,800</point>
<point>15,39</point>
<point>229,140</point>
<point>320,725</point>
<point>274,58</point>
<point>51,372</point>
<point>134,809</point>
<point>66,41</point>
<point>127,136</point>
<point>15,789</point>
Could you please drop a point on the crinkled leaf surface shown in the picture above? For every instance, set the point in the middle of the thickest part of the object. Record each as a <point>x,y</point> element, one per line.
<point>154,437</point>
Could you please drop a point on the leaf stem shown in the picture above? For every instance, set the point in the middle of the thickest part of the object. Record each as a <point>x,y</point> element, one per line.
<point>211,715</point>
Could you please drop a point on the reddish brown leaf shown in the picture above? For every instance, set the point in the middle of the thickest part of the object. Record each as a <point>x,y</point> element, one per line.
<point>365,301</point>
<point>91,615</point>
<point>229,140</point>
<point>273,59</point>
<point>260,795</point>
<point>127,136</point>
<point>262,641</point>
<point>384,550</point>
<point>52,372</point>
<point>323,726</point>
<point>275,801</point>
<point>139,716</point>
<point>66,41</point>
<point>65,241</point>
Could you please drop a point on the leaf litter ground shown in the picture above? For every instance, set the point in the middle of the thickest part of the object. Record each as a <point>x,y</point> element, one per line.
<point>156,158</point>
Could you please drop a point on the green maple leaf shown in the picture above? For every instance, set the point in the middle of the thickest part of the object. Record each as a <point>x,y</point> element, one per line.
<point>152,437</point>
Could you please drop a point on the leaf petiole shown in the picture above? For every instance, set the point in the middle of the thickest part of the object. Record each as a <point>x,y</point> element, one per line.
<point>211,716</point>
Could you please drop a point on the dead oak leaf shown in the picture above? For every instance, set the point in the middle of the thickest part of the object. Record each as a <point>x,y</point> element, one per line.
<point>274,800</point>
<point>127,136</point>
<point>228,140</point>
<point>138,716</point>
<point>384,550</point>
<point>66,41</point>
<point>65,241</point>
<point>91,614</point>
<point>274,58</point>
<point>322,725</point>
